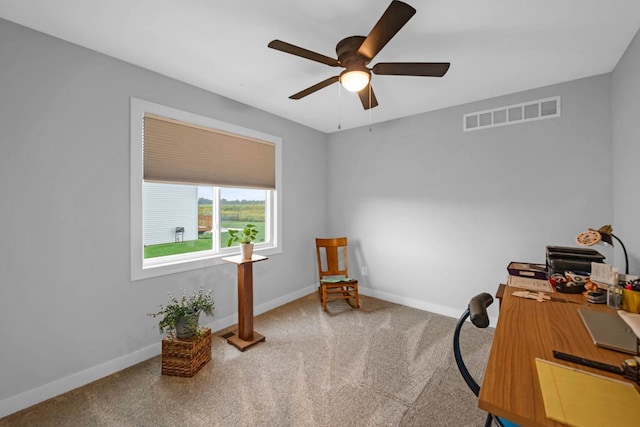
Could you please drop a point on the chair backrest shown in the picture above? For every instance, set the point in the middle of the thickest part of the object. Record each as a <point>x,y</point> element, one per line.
<point>334,253</point>
<point>477,312</point>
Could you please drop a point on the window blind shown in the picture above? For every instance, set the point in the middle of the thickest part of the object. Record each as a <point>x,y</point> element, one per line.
<point>180,152</point>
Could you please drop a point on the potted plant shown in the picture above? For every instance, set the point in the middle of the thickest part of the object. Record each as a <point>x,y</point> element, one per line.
<point>245,238</point>
<point>181,315</point>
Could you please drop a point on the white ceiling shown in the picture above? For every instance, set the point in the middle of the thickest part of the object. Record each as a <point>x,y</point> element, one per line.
<point>495,47</point>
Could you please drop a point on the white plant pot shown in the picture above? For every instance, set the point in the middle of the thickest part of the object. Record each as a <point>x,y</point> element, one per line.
<point>246,250</point>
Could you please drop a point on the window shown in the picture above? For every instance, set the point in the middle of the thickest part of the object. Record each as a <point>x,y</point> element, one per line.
<point>192,179</point>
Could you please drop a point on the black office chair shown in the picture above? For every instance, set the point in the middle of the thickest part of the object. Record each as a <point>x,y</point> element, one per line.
<point>477,310</point>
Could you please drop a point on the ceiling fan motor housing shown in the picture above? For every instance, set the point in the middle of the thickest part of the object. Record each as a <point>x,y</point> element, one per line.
<point>356,75</point>
<point>347,50</point>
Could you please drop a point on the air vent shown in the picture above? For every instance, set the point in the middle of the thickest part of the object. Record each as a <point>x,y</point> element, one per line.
<point>511,114</point>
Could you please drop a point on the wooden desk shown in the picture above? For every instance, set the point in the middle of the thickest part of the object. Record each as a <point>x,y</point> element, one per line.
<point>246,336</point>
<point>528,329</point>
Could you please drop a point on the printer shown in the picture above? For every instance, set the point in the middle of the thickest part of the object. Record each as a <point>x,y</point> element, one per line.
<point>562,258</point>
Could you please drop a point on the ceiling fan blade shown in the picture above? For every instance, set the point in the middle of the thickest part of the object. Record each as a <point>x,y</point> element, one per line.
<point>391,21</point>
<point>429,69</point>
<point>316,87</point>
<point>304,53</point>
<point>364,97</point>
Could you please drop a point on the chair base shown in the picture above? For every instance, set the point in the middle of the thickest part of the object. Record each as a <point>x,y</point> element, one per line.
<point>339,291</point>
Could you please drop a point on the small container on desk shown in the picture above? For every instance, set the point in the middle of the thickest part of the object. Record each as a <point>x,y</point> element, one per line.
<point>631,300</point>
<point>185,356</point>
<point>614,296</point>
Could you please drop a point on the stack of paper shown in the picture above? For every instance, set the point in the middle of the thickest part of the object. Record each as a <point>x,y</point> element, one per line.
<point>578,398</point>
<point>631,319</point>
<point>537,285</point>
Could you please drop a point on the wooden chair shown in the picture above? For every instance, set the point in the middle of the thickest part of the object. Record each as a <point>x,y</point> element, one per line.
<point>334,273</point>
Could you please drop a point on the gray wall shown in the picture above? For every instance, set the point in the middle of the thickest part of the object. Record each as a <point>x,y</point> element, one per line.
<point>68,311</point>
<point>626,153</point>
<point>437,213</point>
<point>434,213</point>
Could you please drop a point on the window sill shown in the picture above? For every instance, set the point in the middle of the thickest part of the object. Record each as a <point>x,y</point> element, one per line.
<point>179,266</point>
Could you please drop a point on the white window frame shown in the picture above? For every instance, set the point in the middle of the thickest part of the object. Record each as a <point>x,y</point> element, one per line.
<point>154,267</point>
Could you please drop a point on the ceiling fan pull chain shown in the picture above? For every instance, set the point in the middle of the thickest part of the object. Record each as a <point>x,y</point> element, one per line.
<point>369,106</point>
<point>339,106</point>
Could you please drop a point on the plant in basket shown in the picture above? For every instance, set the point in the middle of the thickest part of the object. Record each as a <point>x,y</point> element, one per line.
<point>180,316</point>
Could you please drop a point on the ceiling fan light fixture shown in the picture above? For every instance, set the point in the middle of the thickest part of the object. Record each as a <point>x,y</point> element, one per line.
<point>354,80</point>
<point>356,52</point>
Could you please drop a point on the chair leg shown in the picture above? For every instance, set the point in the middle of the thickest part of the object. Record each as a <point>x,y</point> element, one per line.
<point>347,293</point>
<point>353,294</point>
<point>324,297</point>
<point>355,289</point>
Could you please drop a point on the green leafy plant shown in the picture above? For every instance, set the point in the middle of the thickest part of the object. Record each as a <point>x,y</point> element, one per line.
<point>183,307</point>
<point>247,235</point>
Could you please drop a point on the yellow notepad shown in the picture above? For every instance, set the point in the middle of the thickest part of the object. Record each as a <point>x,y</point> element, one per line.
<point>580,398</point>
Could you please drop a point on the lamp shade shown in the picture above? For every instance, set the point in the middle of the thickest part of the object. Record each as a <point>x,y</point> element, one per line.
<point>606,239</point>
<point>603,235</point>
<point>355,80</point>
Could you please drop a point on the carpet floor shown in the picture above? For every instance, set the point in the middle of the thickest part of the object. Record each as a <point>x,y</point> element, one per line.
<point>381,365</point>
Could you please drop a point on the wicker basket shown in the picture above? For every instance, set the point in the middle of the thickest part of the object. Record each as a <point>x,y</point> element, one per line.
<point>185,357</point>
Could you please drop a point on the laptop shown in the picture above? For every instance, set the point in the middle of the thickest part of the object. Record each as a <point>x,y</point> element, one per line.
<point>609,330</point>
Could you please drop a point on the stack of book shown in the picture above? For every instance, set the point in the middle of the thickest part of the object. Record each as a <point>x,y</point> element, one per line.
<point>529,276</point>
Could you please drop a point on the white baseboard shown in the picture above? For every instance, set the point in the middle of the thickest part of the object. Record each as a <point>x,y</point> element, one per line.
<point>63,385</point>
<point>225,322</point>
<point>55,388</point>
<point>410,302</point>
<point>419,304</point>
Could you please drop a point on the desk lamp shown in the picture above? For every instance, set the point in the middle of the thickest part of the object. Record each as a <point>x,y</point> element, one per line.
<point>603,235</point>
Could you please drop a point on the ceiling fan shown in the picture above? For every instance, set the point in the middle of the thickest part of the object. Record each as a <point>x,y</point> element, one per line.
<point>355,52</point>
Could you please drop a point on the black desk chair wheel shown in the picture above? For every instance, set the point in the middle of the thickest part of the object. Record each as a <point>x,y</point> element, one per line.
<point>477,311</point>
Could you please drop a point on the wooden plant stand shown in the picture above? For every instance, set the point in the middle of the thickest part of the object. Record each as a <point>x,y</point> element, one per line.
<point>246,336</point>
